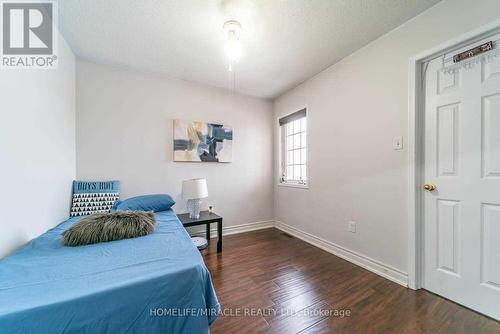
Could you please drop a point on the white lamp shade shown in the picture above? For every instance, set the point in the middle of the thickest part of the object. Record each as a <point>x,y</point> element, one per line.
<point>194,188</point>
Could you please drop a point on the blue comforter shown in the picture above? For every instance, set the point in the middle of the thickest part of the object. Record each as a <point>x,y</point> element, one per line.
<point>152,284</point>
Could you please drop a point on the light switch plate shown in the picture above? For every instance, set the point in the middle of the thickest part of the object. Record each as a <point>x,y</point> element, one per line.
<point>397,143</point>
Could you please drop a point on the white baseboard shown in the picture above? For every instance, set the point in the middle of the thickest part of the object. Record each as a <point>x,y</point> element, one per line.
<point>228,230</point>
<point>363,261</point>
<point>246,227</point>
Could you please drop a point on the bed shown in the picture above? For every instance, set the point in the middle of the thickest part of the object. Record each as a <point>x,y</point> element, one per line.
<point>152,284</point>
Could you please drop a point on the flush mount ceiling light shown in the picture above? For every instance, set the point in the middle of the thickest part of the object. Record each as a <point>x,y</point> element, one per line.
<point>232,30</point>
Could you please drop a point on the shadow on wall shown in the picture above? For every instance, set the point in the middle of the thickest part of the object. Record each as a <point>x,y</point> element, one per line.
<point>16,240</point>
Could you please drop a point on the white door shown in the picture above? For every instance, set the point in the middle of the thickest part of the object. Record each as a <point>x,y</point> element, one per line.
<point>462,160</point>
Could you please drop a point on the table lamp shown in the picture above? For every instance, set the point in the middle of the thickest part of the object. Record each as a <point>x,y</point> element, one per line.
<point>193,191</point>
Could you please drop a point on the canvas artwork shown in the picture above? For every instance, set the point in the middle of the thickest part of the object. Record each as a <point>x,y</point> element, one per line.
<point>200,141</point>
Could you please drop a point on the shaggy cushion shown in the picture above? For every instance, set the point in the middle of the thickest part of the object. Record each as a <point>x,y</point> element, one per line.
<point>103,227</point>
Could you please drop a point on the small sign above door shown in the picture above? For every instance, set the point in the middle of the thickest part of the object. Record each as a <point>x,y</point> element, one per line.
<point>473,52</point>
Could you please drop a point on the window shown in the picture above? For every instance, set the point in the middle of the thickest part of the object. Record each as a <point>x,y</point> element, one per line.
<point>293,129</point>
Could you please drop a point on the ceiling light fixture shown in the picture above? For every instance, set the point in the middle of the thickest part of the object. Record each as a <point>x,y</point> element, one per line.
<point>233,48</point>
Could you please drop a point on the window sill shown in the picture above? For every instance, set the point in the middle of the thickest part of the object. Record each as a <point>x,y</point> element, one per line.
<point>291,185</point>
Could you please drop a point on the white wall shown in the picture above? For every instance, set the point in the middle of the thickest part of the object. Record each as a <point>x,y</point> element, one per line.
<point>124,132</point>
<point>355,109</point>
<point>37,149</point>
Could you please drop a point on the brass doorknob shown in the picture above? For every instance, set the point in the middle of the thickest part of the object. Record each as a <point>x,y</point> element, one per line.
<point>429,187</point>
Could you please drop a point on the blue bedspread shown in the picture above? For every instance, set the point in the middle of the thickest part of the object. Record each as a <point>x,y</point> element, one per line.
<point>152,284</point>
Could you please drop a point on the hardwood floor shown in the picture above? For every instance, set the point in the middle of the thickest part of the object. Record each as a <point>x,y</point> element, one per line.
<point>270,282</point>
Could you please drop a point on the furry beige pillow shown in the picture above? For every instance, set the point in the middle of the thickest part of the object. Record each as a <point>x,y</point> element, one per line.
<point>103,227</point>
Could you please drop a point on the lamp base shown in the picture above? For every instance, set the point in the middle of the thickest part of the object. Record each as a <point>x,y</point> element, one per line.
<point>194,207</point>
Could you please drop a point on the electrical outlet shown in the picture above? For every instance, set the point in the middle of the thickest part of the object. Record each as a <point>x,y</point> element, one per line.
<point>352,227</point>
<point>397,143</point>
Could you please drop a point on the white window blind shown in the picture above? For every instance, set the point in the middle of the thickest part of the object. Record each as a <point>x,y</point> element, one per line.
<point>294,148</point>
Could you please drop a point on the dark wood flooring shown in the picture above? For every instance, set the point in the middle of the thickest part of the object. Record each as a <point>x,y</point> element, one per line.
<point>269,282</point>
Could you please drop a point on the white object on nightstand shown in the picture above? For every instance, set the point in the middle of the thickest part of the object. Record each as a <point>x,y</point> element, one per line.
<point>194,190</point>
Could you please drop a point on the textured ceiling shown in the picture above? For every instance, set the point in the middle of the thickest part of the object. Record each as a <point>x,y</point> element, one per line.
<point>284,41</point>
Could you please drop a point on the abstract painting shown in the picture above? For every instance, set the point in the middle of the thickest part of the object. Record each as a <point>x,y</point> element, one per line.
<point>200,141</point>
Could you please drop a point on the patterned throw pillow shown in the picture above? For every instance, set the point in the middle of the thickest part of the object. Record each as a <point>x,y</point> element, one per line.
<point>94,197</point>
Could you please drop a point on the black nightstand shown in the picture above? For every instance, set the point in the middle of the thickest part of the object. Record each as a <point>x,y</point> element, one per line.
<point>206,218</point>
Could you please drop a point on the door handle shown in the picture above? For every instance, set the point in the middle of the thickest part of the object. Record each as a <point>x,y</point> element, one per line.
<point>429,187</point>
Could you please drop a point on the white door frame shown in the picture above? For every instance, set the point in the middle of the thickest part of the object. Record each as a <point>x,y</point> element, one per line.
<point>416,146</point>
